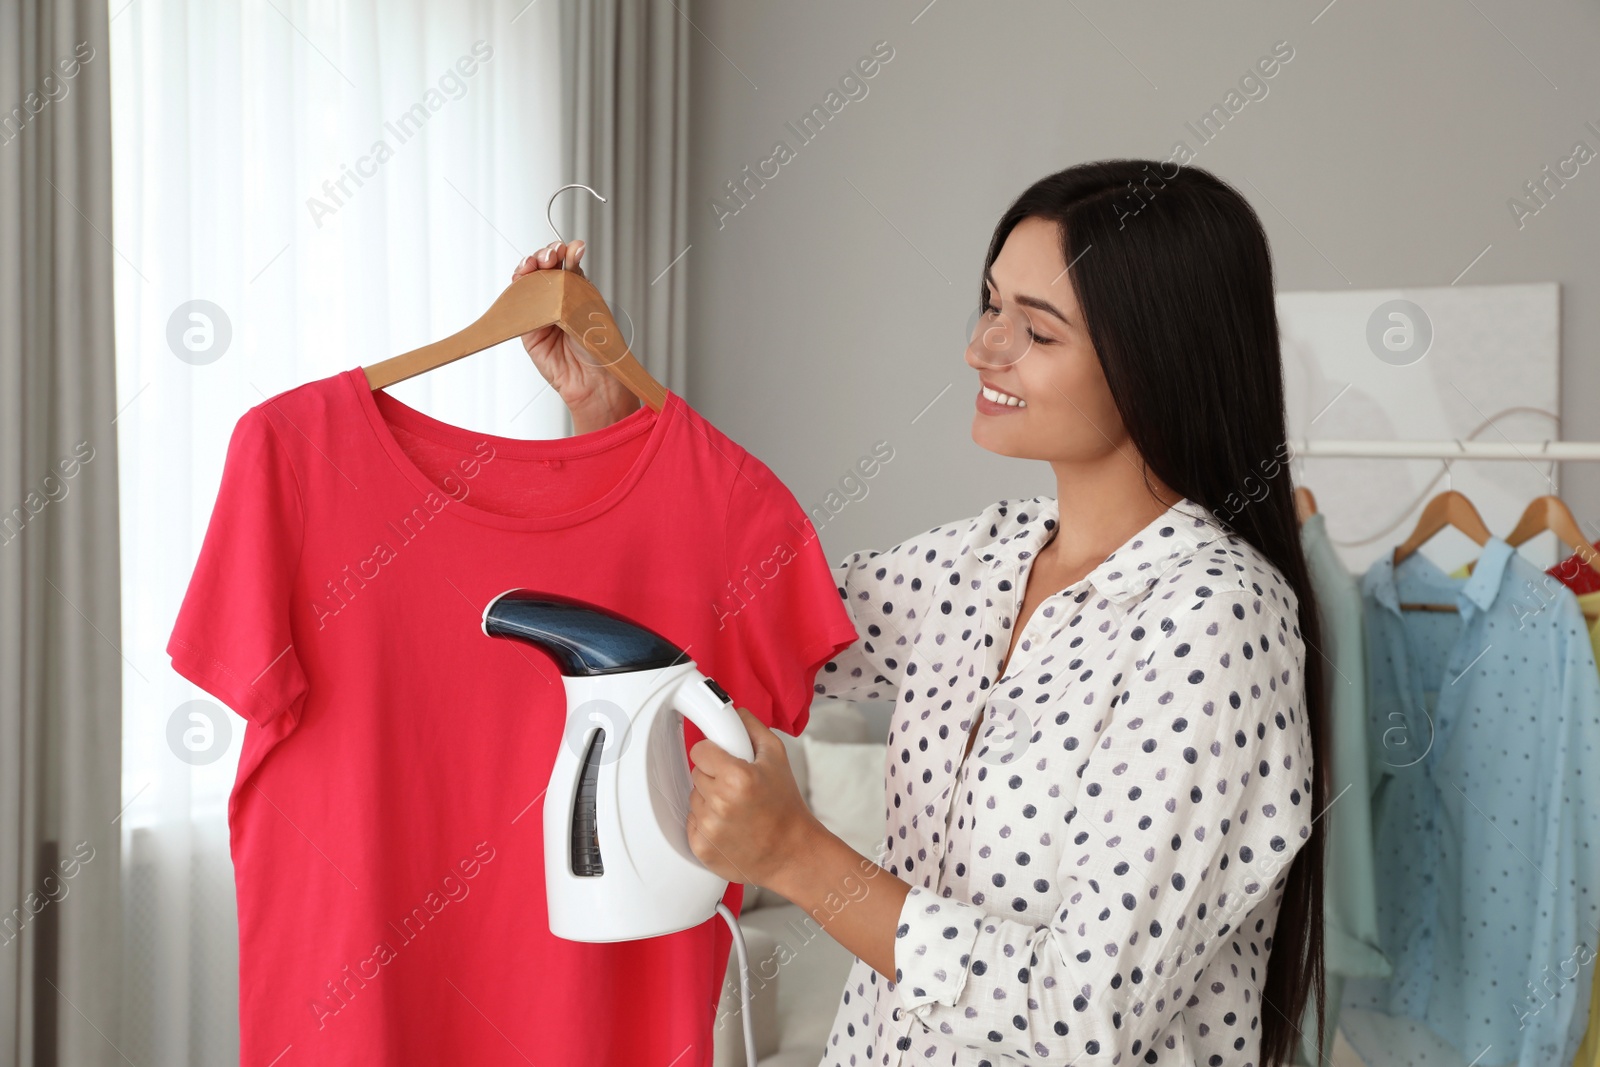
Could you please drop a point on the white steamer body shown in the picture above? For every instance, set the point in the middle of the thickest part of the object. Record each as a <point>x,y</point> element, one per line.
<point>652,882</point>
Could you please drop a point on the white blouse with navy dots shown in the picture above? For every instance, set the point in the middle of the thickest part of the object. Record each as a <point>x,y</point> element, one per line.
<point>1097,882</point>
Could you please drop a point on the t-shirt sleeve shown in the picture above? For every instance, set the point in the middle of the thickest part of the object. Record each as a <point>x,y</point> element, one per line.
<point>780,604</point>
<point>232,636</point>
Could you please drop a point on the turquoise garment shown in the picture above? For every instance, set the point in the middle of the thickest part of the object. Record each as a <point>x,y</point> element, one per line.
<point>1483,731</point>
<point>1350,905</point>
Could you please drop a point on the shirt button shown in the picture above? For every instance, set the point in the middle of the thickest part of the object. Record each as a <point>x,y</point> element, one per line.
<point>897,1013</point>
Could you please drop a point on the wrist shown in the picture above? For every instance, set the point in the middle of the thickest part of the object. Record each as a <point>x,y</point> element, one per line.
<point>807,842</point>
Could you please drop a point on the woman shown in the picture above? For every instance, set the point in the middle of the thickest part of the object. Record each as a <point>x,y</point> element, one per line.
<point>1104,759</point>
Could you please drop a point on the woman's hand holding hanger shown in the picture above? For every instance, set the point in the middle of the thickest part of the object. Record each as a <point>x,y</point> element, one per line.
<point>594,396</point>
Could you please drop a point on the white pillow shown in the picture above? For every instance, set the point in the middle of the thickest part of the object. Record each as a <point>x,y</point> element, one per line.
<point>846,790</point>
<point>836,720</point>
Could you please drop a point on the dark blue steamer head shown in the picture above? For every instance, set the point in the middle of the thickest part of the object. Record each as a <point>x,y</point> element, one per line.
<point>583,639</point>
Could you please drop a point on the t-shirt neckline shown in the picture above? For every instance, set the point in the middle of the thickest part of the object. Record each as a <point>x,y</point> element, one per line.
<point>381,409</point>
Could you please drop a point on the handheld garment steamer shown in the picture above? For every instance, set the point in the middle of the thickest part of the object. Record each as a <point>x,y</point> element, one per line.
<point>617,860</point>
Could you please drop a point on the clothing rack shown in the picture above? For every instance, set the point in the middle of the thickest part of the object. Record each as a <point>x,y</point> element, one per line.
<point>1454,448</point>
<point>1449,449</point>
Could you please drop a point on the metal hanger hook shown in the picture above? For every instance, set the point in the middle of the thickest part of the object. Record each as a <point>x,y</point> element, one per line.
<point>558,192</point>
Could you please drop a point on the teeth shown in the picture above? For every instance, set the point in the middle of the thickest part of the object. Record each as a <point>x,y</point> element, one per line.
<point>995,396</point>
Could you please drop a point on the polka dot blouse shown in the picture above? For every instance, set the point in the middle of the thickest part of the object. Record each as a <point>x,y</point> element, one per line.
<point>1097,881</point>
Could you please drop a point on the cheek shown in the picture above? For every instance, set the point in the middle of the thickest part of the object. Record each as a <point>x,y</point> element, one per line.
<point>1069,380</point>
<point>1097,401</point>
<point>1073,397</point>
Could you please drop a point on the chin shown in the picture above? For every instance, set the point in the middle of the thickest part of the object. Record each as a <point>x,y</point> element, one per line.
<point>993,439</point>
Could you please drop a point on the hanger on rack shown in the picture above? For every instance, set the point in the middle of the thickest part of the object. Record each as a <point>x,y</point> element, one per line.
<point>1449,508</point>
<point>1305,505</point>
<point>1551,513</point>
<point>561,298</point>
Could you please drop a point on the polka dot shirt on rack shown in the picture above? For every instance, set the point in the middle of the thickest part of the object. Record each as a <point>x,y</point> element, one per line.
<point>1098,881</point>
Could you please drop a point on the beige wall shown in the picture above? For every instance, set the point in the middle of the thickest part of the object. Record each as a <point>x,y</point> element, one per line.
<point>831,309</point>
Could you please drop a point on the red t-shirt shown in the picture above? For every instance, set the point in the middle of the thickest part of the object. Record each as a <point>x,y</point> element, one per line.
<point>1576,575</point>
<point>387,830</point>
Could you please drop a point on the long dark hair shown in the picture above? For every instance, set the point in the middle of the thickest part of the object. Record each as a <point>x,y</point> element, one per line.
<point>1171,269</point>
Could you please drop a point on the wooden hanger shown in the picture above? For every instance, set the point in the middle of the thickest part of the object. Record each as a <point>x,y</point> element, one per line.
<point>1449,508</point>
<point>1305,505</point>
<point>1551,513</point>
<point>540,298</point>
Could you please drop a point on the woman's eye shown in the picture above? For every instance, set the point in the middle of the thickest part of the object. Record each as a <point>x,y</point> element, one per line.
<point>990,309</point>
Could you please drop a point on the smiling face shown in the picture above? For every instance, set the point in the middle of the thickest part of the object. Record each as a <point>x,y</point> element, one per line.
<point>1042,394</point>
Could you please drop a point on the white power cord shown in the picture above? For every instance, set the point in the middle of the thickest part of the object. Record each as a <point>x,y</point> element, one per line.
<point>744,983</point>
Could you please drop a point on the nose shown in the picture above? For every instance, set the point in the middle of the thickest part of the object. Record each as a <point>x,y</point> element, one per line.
<point>998,341</point>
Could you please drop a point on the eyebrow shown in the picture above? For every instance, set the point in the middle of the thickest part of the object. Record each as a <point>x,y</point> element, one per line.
<point>1028,301</point>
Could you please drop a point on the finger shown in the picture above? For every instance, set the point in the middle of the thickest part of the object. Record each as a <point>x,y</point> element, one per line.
<point>710,757</point>
<point>697,840</point>
<point>753,724</point>
<point>762,739</point>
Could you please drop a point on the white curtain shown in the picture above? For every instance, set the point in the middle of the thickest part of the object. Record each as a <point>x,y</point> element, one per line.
<point>301,186</point>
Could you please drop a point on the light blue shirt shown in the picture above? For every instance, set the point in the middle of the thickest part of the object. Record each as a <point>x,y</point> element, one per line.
<point>1484,728</point>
